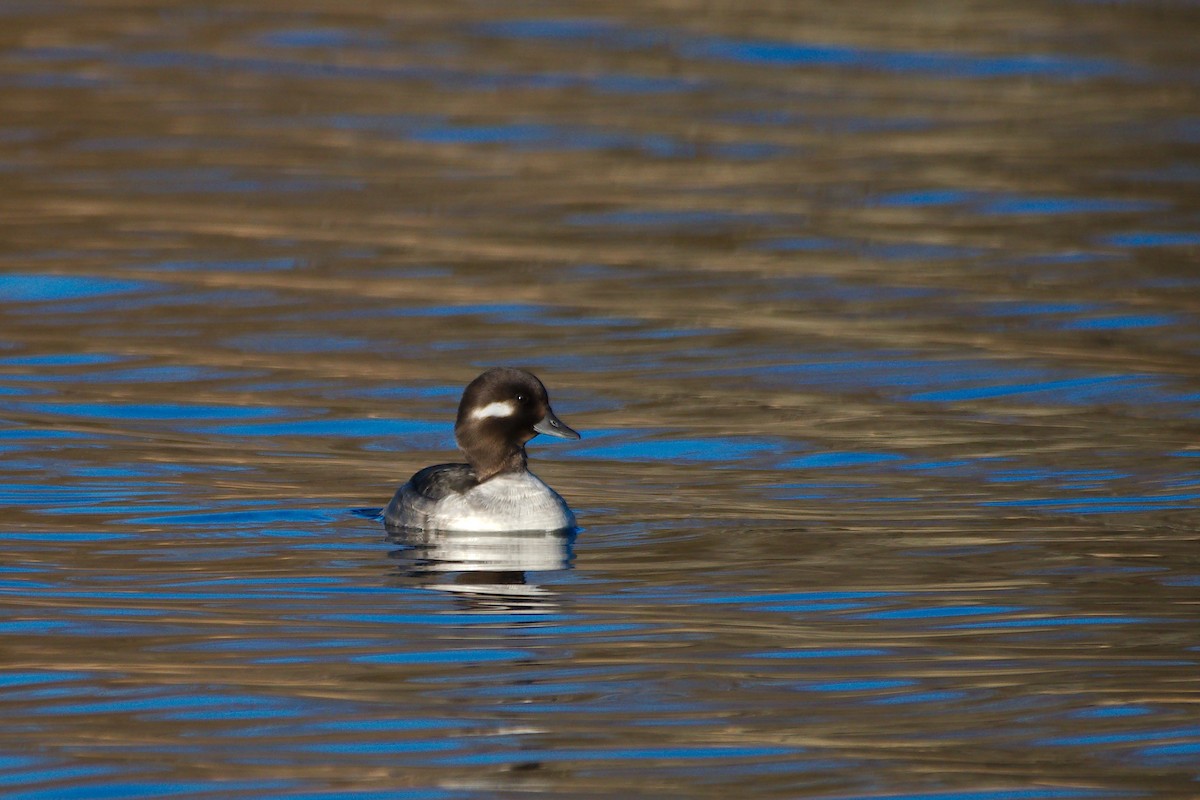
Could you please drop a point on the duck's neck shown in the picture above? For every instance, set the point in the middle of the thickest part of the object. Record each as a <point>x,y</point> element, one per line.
<point>489,455</point>
<point>490,465</point>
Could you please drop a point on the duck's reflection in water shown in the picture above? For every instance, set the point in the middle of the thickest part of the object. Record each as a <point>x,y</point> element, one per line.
<point>487,572</point>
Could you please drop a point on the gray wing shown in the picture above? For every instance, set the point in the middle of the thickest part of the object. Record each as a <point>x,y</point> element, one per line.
<point>436,482</point>
<point>412,503</point>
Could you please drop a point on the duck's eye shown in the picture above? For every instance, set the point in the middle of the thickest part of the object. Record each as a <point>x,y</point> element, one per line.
<point>520,398</point>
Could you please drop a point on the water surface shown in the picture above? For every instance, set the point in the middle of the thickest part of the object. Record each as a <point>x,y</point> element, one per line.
<point>879,322</point>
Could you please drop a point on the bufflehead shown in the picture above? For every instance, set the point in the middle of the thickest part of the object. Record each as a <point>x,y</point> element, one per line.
<point>500,411</point>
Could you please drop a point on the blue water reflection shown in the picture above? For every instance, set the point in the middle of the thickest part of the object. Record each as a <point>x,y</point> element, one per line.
<point>783,54</point>
<point>42,288</point>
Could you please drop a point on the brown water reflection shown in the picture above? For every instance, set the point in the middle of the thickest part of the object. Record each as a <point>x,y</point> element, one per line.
<point>879,321</point>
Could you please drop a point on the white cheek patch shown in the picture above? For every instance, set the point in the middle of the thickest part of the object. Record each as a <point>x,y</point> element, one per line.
<point>498,409</point>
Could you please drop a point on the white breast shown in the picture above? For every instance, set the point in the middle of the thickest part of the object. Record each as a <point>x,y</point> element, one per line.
<point>513,502</point>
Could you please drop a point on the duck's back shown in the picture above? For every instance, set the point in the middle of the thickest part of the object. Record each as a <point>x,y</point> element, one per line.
<point>450,497</point>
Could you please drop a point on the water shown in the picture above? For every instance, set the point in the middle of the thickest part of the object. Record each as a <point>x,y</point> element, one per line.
<point>879,322</point>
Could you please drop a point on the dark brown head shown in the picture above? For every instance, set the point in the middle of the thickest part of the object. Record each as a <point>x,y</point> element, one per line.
<point>500,411</point>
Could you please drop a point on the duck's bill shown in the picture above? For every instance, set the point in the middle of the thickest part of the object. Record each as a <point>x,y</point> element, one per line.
<point>553,426</point>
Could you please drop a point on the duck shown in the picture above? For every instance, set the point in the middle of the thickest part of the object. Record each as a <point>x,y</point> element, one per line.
<point>500,412</point>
